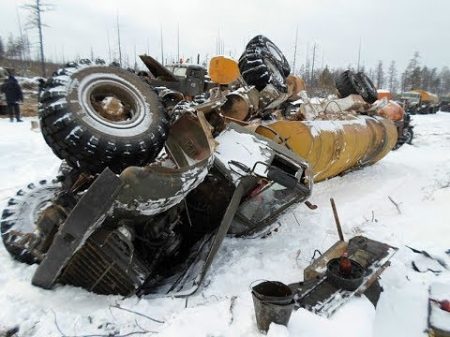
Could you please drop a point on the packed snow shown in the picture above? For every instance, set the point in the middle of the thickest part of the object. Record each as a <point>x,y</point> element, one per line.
<point>416,178</point>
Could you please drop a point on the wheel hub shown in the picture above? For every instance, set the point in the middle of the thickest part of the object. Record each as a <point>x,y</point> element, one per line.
<point>111,101</point>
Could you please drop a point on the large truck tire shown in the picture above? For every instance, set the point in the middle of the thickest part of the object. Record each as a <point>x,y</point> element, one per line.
<point>19,218</point>
<point>349,83</point>
<point>345,84</point>
<point>369,94</point>
<point>263,63</point>
<point>266,47</point>
<point>97,116</point>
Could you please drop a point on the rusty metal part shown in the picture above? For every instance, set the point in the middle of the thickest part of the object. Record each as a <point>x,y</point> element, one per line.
<point>350,279</point>
<point>317,267</point>
<point>82,181</point>
<point>310,205</point>
<point>322,297</point>
<point>295,85</point>
<point>390,110</point>
<point>113,109</point>
<point>241,103</point>
<point>336,220</point>
<point>235,107</point>
<point>48,223</point>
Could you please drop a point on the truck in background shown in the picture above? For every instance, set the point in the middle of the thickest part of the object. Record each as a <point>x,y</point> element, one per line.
<point>420,101</point>
<point>444,103</point>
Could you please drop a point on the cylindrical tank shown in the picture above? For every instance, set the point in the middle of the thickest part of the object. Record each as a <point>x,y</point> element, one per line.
<point>334,146</point>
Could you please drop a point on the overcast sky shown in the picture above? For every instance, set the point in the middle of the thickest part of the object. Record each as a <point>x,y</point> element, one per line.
<point>388,29</point>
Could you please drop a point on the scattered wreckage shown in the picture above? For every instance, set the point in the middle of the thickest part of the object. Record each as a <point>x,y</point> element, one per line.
<point>345,270</point>
<point>153,178</point>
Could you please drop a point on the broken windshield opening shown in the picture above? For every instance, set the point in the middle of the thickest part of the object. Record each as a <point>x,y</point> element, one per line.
<point>267,202</point>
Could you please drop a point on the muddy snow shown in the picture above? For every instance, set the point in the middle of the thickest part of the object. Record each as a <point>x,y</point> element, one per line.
<point>416,178</point>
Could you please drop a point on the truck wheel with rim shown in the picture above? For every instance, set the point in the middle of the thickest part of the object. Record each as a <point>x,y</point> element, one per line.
<point>346,84</point>
<point>263,63</point>
<point>349,83</point>
<point>263,45</point>
<point>20,216</point>
<point>369,94</point>
<point>97,116</point>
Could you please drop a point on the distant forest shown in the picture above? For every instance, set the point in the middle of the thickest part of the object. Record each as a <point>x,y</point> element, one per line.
<point>415,76</point>
<point>16,53</point>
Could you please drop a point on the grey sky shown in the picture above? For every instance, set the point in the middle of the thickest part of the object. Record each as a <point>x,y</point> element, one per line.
<point>389,29</point>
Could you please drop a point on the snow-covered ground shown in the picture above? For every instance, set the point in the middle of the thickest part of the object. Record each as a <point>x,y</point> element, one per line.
<point>416,177</point>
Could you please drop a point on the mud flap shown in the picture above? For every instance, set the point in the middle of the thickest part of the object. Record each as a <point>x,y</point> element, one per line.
<point>87,216</point>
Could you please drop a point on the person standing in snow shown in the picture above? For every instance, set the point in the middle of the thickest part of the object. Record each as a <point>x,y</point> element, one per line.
<point>14,95</point>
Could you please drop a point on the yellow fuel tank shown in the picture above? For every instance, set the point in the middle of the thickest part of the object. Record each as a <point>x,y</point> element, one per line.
<point>334,146</point>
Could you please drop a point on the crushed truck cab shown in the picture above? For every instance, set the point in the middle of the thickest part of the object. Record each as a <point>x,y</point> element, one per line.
<point>151,223</point>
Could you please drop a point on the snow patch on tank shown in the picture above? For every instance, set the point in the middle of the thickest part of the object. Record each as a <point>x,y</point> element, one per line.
<point>317,126</point>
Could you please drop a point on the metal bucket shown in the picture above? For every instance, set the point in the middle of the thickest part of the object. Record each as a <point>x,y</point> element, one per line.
<point>273,302</point>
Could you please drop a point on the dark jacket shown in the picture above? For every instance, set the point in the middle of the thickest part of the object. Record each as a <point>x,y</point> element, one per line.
<point>12,90</point>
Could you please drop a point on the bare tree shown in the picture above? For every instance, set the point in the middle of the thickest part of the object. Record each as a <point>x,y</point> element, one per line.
<point>326,80</point>
<point>412,74</point>
<point>15,47</point>
<point>379,75</point>
<point>392,77</point>
<point>371,73</point>
<point>2,48</point>
<point>35,11</point>
<point>118,39</point>
<point>444,82</point>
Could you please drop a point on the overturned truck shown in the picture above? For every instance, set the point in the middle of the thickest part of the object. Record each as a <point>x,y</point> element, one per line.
<point>152,180</point>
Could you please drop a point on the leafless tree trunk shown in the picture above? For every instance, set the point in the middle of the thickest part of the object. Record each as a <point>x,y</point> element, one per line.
<point>35,21</point>
<point>380,75</point>
<point>392,77</point>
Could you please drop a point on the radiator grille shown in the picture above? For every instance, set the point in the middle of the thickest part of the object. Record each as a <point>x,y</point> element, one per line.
<point>105,264</point>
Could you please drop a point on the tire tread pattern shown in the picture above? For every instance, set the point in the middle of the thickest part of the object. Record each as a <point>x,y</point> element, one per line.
<point>84,148</point>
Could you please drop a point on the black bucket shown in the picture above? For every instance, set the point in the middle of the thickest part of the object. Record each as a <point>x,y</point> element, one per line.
<point>273,302</point>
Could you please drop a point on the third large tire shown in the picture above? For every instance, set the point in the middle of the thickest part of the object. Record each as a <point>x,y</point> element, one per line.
<point>369,94</point>
<point>80,130</point>
<point>345,84</point>
<point>20,216</point>
<point>348,83</point>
